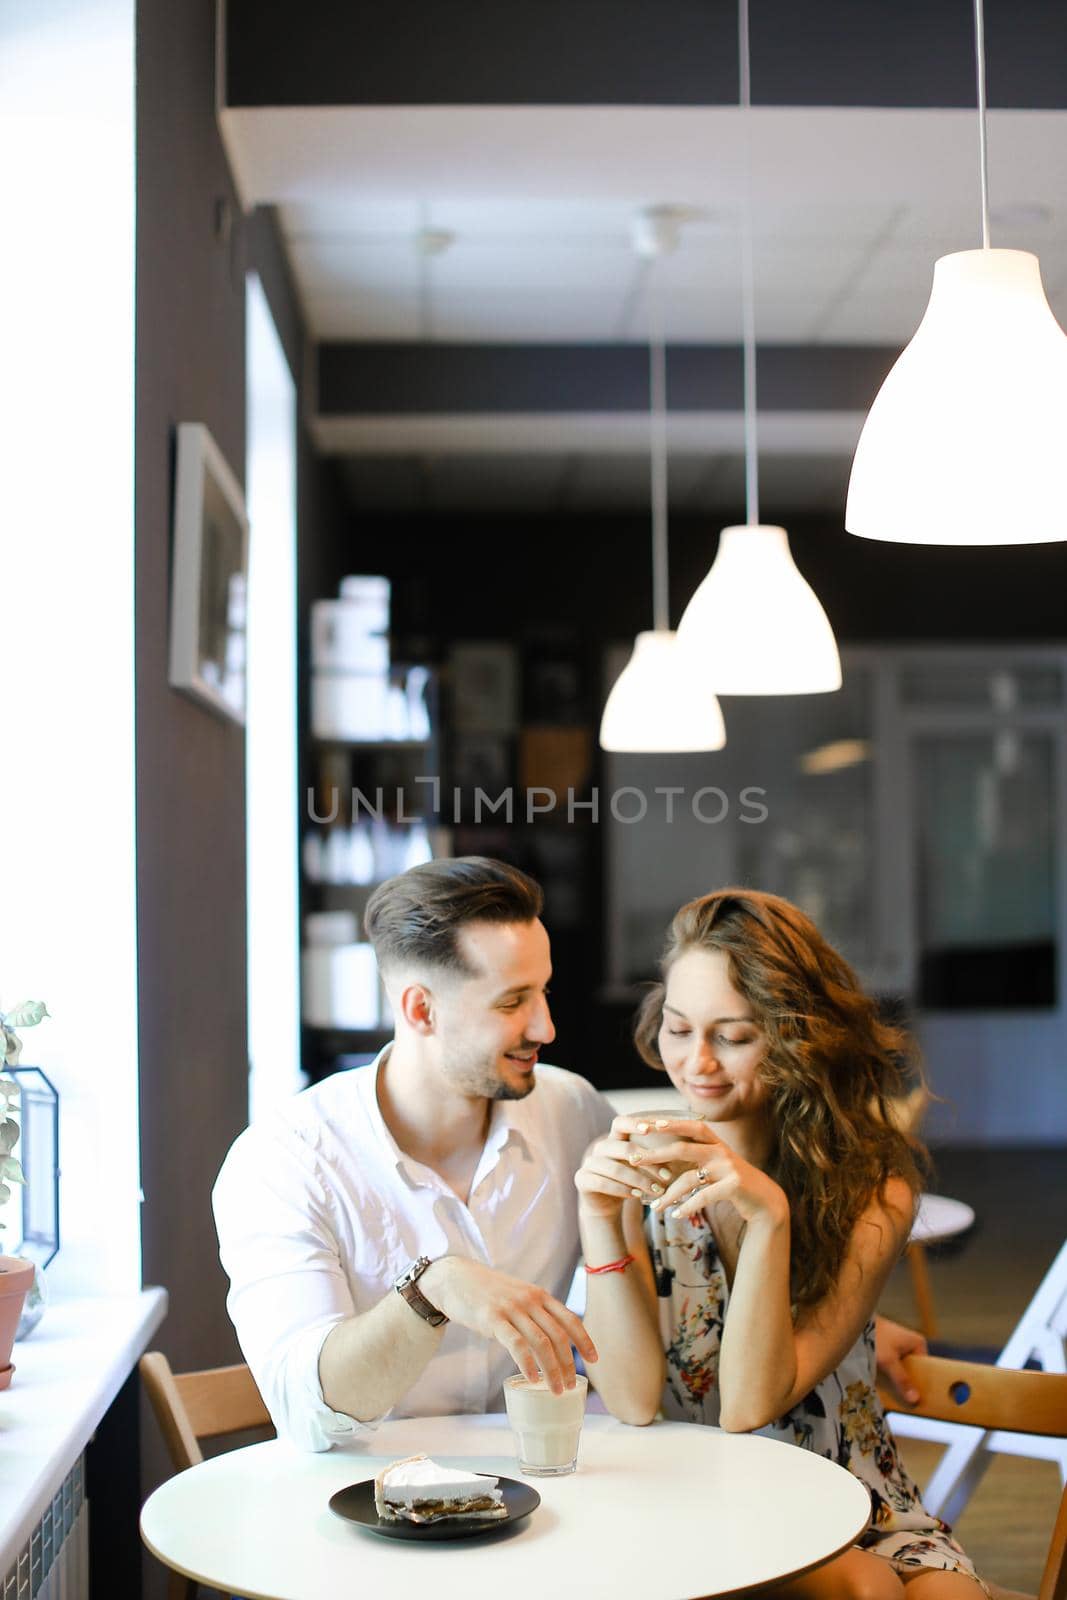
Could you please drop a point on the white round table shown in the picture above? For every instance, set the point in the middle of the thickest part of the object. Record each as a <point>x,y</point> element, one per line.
<point>668,1512</point>
<point>940,1218</point>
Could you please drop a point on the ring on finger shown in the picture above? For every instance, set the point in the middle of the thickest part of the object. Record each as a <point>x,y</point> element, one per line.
<point>702,1177</point>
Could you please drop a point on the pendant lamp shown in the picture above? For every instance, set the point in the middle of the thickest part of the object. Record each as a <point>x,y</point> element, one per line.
<point>964,444</point>
<point>754,625</point>
<point>660,703</point>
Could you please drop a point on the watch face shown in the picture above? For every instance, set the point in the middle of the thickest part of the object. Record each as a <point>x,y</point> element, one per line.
<point>413,1272</point>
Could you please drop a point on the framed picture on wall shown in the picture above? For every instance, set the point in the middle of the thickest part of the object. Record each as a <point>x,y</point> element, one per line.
<point>485,687</point>
<point>209,581</point>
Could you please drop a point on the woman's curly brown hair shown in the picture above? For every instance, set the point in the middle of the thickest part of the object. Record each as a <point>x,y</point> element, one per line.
<point>832,1066</point>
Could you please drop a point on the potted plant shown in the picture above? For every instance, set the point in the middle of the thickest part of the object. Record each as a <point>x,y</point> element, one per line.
<point>16,1275</point>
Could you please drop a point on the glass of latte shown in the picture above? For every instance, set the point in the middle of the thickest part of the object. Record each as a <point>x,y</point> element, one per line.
<point>547,1426</point>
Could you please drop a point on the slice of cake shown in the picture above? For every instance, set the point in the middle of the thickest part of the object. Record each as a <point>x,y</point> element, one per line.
<point>419,1490</point>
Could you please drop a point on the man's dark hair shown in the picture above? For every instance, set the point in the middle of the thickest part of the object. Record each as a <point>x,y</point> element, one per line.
<point>415,917</point>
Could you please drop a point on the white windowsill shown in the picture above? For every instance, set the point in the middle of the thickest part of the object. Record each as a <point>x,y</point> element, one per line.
<point>67,1373</point>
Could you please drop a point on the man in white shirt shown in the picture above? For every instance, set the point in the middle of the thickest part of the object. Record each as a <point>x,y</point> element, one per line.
<point>401,1237</point>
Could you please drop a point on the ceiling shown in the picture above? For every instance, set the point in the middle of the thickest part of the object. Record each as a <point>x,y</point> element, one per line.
<point>850,207</point>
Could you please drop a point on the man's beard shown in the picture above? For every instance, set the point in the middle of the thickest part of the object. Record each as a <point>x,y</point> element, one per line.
<point>514,1091</point>
<point>484,1079</point>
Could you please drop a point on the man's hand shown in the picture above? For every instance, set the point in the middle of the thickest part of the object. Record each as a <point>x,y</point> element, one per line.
<point>891,1344</point>
<point>534,1327</point>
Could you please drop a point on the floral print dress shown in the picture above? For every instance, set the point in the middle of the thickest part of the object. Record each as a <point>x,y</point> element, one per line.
<point>841,1419</point>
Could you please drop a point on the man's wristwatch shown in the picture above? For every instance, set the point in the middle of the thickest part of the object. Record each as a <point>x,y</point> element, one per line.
<point>407,1287</point>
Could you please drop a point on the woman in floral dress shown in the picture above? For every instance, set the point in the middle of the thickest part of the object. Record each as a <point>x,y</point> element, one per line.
<point>737,1254</point>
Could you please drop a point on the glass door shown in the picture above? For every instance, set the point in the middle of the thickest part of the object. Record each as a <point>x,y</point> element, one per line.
<point>986,870</point>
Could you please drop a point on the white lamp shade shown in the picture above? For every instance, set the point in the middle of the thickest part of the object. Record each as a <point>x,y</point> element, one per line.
<point>966,442</point>
<point>661,702</point>
<point>754,625</point>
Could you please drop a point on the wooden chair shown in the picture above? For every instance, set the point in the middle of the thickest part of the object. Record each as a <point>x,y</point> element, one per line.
<point>1040,1333</point>
<point>191,1406</point>
<point>997,1398</point>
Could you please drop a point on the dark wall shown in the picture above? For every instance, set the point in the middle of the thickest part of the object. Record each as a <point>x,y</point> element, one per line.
<point>190,763</point>
<point>488,576</point>
<point>363,378</point>
<point>632,52</point>
<point>328,52</point>
<point>193,251</point>
<point>190,359</point>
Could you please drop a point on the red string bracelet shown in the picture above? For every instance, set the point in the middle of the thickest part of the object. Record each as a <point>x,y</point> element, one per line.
<point>612,1266</point>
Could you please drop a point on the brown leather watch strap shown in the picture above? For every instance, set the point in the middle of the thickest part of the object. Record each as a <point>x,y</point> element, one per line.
<point>408,1289</point>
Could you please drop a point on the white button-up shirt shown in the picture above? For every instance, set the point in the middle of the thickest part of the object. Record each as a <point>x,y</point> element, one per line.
<point>318,1211</point>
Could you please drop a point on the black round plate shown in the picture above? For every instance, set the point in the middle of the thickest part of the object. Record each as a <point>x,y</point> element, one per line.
<point>356,1503</point>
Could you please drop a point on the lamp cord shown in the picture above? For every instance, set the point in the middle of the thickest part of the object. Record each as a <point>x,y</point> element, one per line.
<point>983,156</point>
<point>748,307</point>
<point>657,396</point>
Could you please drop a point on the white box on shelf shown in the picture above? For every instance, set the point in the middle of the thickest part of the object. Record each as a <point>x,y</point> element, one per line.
<point>330,928</point>
<point>340,986</point>
<point>350,706</point>
<point>370,596</point>
<point>341,641</point>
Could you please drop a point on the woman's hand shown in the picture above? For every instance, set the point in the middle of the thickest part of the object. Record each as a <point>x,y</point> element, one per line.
<point>713,1174</point>
<point>892,1343</point>
<point>614,1171</point>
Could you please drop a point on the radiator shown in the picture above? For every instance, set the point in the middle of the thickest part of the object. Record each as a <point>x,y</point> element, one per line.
<point>54,1562</point>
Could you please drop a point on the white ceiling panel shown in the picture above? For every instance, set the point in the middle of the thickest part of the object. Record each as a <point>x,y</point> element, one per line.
<point>813,267</point>
<point>540,264</point>
<point>372,216</point>
<point>361,316</point>
<point>703,315</point>
<point>699,263</point>
<point>632,156</point>
<point>517,315</point>
<point>860,320</point>
<point>542,199</point>
<point>332,266</point>
<point>852,219</point>
<point>541,215</point>
<point>886,302</point>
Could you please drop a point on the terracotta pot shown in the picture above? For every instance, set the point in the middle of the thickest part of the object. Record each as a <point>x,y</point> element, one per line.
<point>16,1275</point>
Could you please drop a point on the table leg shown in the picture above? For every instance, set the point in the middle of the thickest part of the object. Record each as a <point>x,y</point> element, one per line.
<point>920,1288</point>
<point>179,1587</point>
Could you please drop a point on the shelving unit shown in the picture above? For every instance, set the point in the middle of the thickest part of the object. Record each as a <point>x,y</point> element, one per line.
<point>507,714</point>
<point>376,819</point>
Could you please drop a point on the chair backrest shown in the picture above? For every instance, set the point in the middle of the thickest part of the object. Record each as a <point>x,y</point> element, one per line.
<point>989,1397</point>
<point>999,1398</point>
<point>191,1406</point>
